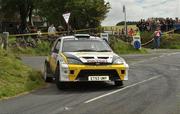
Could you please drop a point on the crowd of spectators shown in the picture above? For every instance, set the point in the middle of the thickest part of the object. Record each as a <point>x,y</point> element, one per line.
<point>165,24</point>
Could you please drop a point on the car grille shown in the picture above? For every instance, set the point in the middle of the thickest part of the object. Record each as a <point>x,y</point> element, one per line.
<point>83,74</point>
<point>95,62</point>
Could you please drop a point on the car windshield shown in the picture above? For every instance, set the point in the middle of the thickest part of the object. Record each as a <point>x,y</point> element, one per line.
<point>85,45</point>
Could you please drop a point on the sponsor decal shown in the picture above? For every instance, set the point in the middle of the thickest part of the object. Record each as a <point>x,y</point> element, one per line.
<point>97,61</point>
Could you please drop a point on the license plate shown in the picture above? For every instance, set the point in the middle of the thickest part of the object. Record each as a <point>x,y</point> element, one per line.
<point>98,78</point>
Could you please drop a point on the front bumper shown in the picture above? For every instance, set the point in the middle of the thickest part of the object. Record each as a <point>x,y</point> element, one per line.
<point>81,72</point>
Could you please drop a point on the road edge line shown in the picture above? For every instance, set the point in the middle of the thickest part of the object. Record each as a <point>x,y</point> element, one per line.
<point>119,90</point>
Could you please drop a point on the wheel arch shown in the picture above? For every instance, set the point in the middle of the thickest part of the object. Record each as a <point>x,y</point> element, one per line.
<point>58,64</point>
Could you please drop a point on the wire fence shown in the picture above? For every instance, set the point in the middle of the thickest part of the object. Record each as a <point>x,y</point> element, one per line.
<point>168,33</point>
<point>32,39</point>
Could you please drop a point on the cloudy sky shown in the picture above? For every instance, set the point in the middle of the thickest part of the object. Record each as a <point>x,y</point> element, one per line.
<point>138,9</point>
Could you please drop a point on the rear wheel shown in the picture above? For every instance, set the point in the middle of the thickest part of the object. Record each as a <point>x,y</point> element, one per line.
<point>118,83</point>
<point>47,73</point>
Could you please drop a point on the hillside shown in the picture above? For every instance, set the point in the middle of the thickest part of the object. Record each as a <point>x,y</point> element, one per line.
<point>168,41</point>
<point>15,77</point>
<point>121,47</point>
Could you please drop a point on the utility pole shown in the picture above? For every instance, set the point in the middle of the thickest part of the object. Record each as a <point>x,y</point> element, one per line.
<point>125,23</point>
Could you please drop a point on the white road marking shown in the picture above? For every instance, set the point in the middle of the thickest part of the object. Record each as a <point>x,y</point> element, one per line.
<point>154,58</point>
<point>127,87</point>
<point>162,56</point>
<point>61,109</point>
<point>119,90</point>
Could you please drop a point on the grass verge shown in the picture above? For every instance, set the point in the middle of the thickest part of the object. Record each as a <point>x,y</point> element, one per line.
<point>42,49</point>
<point>15,77</point>
<point>168,41</point>
<point>121,47</point>
<point>171,41</point>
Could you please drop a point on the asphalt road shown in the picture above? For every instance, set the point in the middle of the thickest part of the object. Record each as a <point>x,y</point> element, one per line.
<point>153,88</point>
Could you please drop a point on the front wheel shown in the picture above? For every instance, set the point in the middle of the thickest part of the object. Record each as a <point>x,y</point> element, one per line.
<point>59,84</point>
<point>118,83</point>
<point>47,73</point>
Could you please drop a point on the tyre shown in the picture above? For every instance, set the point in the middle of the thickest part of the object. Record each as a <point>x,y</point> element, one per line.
<point>118,83</point>
<point>60,85</point>
<point>47,73</point>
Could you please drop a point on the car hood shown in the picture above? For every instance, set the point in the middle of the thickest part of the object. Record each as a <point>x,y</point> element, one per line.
<point>92,57</point>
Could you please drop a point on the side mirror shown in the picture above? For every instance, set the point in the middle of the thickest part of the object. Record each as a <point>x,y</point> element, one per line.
<point>106,40</point>
<point>55,51</point>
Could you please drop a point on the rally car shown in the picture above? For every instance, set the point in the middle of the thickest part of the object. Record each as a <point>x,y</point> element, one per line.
<point>84,58</point>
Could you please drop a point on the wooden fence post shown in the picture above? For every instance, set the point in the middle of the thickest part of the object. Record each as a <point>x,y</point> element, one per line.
<point>1,42</point>
<point>5,40</point>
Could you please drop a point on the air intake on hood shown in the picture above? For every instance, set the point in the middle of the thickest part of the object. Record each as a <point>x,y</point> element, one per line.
<point>103,57</point>
<point>88,57</point>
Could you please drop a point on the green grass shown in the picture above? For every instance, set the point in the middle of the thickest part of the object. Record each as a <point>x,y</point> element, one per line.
<point>171,41</point>
<point>146,36</point>
<point>121,47</point>
<point>15,77</point>
<point>42,48</point>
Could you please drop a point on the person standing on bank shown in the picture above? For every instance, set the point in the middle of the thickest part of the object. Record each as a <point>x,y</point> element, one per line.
<point>157,38</point>
<point>51,30</point>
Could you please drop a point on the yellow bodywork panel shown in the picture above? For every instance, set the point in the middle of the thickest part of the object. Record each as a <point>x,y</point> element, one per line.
<point>64,57</point>
<point>53,62</point>
<point>78,68</point>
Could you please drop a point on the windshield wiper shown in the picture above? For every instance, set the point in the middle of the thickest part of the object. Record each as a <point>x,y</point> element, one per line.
<point>88,50</point>
<point>104,51</point>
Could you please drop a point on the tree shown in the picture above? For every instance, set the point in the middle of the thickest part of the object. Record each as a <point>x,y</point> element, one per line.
<point>128,23</point>
<point>84,13</point>
<point>23,8</point>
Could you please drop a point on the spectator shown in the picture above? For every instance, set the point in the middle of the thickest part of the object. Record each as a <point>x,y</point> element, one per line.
<point>152,23</point>
<point>122,31</point>
<point>52,34</point>
<point>131,32</point>
<point>148,25</point>
<point>171,23</point>
<point>18,29</point>
<point>137,32</point>
<point>52,30</point>
<point>157,37</point>
<point>33,29</point>
<point>167,24</point>
<point>163,28</point>
<point>60,30</point>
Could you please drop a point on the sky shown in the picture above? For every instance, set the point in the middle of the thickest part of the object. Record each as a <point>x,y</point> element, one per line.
<point>141,9</point>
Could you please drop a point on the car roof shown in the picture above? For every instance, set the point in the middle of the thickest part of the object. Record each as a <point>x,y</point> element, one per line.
<point>80,37</point>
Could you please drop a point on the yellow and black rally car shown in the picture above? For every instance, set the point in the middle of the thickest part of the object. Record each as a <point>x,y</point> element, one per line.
<point>84,58</point>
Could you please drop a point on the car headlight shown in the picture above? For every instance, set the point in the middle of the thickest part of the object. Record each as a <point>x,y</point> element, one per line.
<point>73,61</point>
<point>119,61</point>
